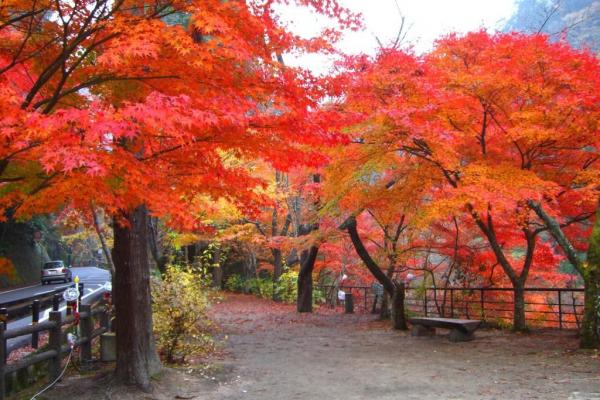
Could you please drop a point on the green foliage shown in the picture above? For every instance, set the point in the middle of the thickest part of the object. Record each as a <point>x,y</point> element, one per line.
<point>180,302</point>
<point>262,287</point>
<point>319,296</point>
<point>285,289</point>
<point>235,283</point>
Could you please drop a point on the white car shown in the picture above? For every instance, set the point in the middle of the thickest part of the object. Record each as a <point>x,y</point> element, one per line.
<point>56,271</point>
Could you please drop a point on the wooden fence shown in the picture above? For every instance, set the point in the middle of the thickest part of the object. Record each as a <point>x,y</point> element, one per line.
<point>91,322</point>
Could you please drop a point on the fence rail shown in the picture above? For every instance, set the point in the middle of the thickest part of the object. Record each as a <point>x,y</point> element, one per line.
<point>91,322</point>
<point>544,307</point>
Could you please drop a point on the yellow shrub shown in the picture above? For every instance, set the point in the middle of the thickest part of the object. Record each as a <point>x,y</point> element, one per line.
<point>179,304</point>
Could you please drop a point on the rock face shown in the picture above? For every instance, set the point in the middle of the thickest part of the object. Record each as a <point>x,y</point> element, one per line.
<point>576,20</point>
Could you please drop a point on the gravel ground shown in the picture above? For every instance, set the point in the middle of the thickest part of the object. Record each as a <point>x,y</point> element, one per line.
<point>273,353</point>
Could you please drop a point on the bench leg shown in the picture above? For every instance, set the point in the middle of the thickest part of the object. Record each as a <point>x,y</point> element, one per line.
<point>457,335</point>
<point>420,330</point>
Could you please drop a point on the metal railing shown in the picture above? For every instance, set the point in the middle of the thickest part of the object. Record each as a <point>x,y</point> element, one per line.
<point>362,294</point>
<point>544,307</point>
<point>13,309</point>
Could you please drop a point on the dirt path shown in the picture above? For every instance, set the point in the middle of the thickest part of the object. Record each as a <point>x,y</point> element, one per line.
<point>283,355</point>
<point>273,353</point>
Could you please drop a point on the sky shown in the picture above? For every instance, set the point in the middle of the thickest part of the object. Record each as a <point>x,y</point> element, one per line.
<point>426,20</point>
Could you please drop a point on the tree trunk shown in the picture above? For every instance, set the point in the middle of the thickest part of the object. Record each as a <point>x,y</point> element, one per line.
<point>217,270</point>
<point>159,257</point>
<point>385,299</point>
<point>384,313</point>
<point>590,330</point>
<point>277,270</point>
<point>105,249</point>
<point>305,283</point>
<point>277,264</point>
<point>519,323</point>
<point>191,253</point>
<point>398,313</point>
<point>137,359</point>
<point>363,253</point>
<point>589,271</point>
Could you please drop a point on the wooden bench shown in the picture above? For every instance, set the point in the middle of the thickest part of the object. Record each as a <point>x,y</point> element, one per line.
<point>461,330</point>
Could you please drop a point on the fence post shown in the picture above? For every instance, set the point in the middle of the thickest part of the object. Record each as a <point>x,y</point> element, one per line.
<point>56,302</point>
<point>365,292</point>
<point>425,302</point>
<point>349,303</point>
<point>86,327</point>
<point>54,342</point>
<point>482,305</point>
<point>2,363</point>
<point>560,324</point>
<point>35,318</point>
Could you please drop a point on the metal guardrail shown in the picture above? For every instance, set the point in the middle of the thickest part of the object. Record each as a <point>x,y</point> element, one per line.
<point>10,310</point>
<point>56,347</point>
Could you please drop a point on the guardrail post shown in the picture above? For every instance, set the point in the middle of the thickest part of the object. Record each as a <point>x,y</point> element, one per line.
<point>560,324</point>
<point>35,318</point>
<point>85,332</point>
<point>2,363</point>
<point>56,302</point>
<point>54,340</point>
<point>80,289</point>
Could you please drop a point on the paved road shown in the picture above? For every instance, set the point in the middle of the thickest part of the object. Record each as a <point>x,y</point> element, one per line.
<point>91,276</point>
<point>93,280</point>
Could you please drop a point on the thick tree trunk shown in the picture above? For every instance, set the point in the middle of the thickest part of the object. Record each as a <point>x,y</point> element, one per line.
<point>384,313</point>
<point>590,331</point>
<point>398,313</point>
<point>305,283</point>
<point>590,328</point>
<point>519,323</point>
<point>137,359</point>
